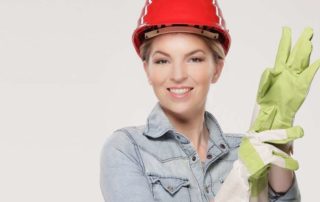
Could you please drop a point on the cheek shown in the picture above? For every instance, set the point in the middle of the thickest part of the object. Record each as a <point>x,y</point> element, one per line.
<point>202,75</point>
<point>157,76</point>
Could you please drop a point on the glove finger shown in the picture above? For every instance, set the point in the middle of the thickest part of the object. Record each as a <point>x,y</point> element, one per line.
<point>300,56</point>
<point>281,136</point>
<point>260,155</point>
<point>270,154</point>
<point>283,49</point>
<point>308,74</point>
<point>278,159</point>
<point>284,161</point>
<point>264,85</point>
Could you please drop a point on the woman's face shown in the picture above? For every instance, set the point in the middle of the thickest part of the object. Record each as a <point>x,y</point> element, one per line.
<point>180,69</point>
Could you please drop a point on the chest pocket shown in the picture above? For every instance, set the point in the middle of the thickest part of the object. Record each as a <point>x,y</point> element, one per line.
<point>170,188</point>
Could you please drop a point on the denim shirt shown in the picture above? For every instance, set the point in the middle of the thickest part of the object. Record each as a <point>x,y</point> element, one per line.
<point>154,162</point>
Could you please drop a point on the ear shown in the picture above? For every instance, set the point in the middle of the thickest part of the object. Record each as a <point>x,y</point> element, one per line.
<point>146,70</point>
<point>217,70</point>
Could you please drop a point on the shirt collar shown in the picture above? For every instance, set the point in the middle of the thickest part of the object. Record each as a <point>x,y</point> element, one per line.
<point>158,124</point>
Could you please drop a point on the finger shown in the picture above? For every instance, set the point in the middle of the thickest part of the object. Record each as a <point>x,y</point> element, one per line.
<point>284,161</point>
<point>264,85</point>
<point>279,136</point>
<point>283,49</point>
<point>270,154</point>
<point>256,156</point>
<point>300,56</point>
<point>308,74</point>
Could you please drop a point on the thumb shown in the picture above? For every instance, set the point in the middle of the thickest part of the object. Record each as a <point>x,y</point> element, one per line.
<point>264,85</point>
<point>283,160</point>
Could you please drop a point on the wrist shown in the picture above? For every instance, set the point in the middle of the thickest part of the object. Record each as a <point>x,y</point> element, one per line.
<point>280,179</point>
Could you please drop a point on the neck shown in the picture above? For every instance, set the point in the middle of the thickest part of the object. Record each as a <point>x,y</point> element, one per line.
<point>193,127</point>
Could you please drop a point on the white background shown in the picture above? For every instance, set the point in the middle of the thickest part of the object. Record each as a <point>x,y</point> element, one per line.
<point>69,76</point>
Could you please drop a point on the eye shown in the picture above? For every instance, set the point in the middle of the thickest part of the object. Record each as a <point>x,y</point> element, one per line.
<point>161,61</point>
<point>196,59</point>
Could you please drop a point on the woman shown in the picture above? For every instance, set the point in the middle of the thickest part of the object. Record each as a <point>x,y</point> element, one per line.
<point>181,153</point>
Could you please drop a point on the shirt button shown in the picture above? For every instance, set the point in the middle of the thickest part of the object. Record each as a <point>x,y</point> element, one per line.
<point>194,158</point>
<point>221,180</point>
<point>222,146</point>
<point>209,156</point>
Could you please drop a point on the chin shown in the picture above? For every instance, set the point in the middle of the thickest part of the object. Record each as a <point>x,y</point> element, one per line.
<point>182,109</point>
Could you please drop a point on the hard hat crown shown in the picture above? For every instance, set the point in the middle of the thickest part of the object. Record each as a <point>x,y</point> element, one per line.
<point>204,14</point>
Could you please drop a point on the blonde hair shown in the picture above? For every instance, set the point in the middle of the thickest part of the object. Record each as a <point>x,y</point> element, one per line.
<point>214,45</point>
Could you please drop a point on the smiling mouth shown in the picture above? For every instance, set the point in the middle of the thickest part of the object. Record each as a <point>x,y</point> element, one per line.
<point>179,91</point>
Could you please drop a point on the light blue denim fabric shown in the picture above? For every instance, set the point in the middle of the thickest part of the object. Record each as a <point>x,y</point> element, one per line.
<point>153,162</point>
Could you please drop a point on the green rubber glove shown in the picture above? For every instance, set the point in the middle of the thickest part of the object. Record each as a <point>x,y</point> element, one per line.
<point>283,89</point>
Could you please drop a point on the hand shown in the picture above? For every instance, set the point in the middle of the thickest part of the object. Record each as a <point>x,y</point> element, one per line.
<point>257,152</point>
<point>247,179</point>
<point>283,88</point>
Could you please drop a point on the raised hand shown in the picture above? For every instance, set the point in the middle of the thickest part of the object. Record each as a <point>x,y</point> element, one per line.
<point>283,88</point>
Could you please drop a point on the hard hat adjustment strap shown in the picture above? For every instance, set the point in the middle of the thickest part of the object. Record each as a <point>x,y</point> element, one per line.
<point>184,29</point>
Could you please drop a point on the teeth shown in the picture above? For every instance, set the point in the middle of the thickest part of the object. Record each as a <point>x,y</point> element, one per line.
<point>179,90</point>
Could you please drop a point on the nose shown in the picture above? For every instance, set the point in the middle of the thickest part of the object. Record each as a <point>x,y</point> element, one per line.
<point>179,72</point>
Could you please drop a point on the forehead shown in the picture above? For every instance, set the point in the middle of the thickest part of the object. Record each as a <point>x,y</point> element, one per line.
<point>181,42</point>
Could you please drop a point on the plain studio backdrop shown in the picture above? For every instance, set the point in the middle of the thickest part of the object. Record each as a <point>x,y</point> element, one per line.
<point>69,77</point>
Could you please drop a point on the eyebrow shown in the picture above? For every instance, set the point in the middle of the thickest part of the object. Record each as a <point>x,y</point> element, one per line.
<point>188,54</point>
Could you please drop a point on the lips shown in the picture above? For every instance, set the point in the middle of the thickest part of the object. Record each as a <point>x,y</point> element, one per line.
<point>179,92</point>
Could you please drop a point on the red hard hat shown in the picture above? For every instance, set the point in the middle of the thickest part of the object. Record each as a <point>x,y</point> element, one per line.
<point>196,16</point>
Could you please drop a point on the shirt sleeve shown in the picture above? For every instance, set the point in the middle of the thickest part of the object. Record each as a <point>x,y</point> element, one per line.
<point>292,195</point>
<point>121,172</point>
